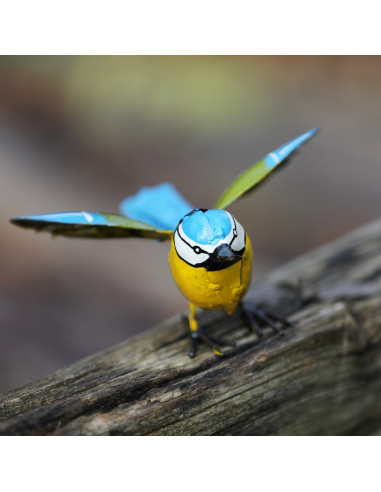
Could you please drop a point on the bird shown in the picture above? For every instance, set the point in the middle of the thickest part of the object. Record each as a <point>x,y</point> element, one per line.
<point>210,254</point>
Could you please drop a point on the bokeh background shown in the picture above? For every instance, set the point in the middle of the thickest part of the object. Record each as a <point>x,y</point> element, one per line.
<point>81,133</point>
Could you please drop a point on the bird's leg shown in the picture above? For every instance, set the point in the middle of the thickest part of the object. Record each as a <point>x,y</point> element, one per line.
<point>196,334</point>
<point>257,317</point>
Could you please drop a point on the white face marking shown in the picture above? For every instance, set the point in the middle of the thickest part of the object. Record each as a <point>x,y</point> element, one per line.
<point>239,241</point>
<point>208,247</point>
<point>192,255</point>
<point>195,253</point>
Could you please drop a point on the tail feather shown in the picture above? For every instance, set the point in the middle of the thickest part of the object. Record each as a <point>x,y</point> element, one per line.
<point>161,206</point>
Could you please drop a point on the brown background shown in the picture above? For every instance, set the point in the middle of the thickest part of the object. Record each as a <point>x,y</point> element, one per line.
<point>81,133</point>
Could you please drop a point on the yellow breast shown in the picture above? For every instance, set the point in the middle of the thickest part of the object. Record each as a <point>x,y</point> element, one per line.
<point>221,289</point>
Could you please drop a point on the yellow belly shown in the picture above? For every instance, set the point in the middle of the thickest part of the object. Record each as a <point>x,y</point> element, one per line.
<point>222,289</point>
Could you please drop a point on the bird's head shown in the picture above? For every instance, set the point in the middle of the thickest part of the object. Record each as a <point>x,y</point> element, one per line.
<point>211,239</point>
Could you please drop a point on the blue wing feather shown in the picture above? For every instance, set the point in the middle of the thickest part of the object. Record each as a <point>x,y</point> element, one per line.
<point>161,206</point>
<point>93,218</point>
<point>91,225</point>
<point>279,155</point>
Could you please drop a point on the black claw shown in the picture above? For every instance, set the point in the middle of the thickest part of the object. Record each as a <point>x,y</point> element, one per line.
<point>221,341</point>
<point>251,321</point>
<point>258,330</point>
<point>255,317</point>
<point>211,342</point>
<point>253,324</point>
<point>263,316</point>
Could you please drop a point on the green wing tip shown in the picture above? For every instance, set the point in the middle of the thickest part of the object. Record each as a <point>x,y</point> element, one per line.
<point>255,174</point>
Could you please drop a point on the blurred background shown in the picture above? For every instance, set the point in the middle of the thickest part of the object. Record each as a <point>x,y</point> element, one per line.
<point>82,133</point>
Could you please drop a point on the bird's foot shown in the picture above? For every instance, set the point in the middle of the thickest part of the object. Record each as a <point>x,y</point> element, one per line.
<point>196,335</point>
<point>213,343</point>
<point>257,318</point>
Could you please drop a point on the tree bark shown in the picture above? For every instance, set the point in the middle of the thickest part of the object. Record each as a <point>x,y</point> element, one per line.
<point>322,377</point>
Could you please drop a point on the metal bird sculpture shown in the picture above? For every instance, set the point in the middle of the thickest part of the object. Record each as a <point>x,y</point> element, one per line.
<point>210,254</point>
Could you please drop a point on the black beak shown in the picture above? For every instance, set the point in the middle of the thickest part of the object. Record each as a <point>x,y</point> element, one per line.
<point>225,253</point>
<point>225,256</point>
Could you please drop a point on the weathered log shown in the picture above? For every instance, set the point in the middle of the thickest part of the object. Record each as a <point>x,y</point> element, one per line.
<point>322,377</point>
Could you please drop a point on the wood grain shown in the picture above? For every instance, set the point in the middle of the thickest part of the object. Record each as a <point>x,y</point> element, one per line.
<point>322,377</point>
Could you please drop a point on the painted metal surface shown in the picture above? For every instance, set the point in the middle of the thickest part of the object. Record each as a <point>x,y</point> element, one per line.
<point>255,174</point>
<point>94,225</point>
<point>161,206</point>
<point>210,255</point>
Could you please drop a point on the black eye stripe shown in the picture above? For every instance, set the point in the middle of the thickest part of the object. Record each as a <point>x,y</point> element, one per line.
<point>210,264</point>
<point>235,233</point>
<point>196,249</point>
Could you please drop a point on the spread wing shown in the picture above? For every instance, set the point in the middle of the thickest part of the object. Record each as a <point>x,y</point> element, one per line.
<point>91,225</point>
<point>161,206</point>
<point>253,176</point>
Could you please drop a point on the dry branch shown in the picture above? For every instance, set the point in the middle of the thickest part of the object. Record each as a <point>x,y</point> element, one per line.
<point>322,377</point>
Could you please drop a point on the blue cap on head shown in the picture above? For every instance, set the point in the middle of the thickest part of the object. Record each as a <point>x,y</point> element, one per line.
<point>208,227</point>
